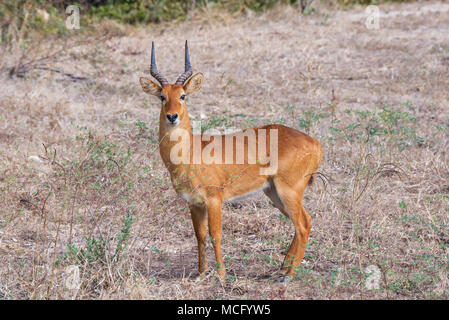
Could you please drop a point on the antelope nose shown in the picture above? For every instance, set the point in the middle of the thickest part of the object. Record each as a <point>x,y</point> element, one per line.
<point>172,117</point>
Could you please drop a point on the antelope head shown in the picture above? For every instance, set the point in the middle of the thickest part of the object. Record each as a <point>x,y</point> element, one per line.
<point>173,96</point>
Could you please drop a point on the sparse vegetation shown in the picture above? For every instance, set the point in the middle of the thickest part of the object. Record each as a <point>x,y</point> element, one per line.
<point>82,183</point>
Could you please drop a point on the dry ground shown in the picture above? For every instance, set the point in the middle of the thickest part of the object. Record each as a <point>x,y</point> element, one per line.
<point>81,181</point>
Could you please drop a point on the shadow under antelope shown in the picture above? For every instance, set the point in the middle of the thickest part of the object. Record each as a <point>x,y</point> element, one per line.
<point>207,172</point>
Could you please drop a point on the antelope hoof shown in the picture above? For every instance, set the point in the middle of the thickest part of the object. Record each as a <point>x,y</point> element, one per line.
<point>221,274</point>
<point>284,271</point>
<point>203,274</point>
<point>203,268</point>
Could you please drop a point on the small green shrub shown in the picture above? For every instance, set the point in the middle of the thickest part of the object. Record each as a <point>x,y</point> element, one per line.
<point>98,250</point>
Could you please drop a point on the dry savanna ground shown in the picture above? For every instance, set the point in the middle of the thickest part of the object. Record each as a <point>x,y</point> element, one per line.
<point>82,183</point>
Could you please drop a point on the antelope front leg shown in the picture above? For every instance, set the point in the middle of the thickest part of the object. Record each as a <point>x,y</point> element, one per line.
<point>214,219</point>
<point>200,225</point>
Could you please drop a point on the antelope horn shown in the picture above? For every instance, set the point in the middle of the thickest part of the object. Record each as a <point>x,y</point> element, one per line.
<point>188,68</point>
<point>153,69</point>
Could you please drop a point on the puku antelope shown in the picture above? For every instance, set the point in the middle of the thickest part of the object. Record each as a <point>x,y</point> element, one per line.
<point>207,184</point>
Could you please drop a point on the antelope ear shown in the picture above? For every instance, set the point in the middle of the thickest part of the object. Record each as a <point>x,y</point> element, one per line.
<point>150,87</point>
<point>194,83</point>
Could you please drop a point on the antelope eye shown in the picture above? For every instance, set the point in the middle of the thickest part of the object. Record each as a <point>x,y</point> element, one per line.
<point>162,98</point>
<point>182,97</point>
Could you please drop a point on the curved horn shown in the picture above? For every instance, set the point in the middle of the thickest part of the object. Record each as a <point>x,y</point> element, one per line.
<point>188,68</point>
<point>153,69</point>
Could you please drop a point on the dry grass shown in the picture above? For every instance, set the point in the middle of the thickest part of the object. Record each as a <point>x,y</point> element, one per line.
<point>81,181</point>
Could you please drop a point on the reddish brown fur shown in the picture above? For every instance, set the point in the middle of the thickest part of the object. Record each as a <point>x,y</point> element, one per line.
<point>208,185</point>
